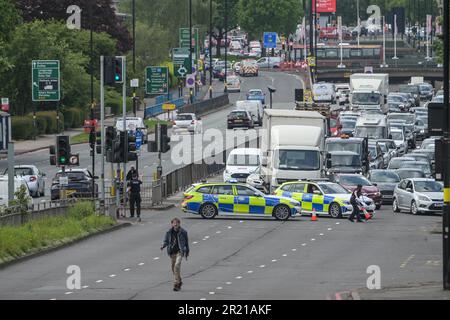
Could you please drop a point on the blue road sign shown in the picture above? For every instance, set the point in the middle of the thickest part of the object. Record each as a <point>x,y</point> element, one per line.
<point>270,40</point>
<point>138,139</point>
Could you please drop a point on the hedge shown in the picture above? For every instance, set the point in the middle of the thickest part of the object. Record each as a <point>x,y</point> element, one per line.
<point>73,117</point>
<point>22,128</point>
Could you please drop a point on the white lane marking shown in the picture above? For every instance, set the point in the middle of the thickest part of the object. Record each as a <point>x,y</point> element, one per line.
<point>52,299</point>
<point>407,261</point>
<point>85,287</point>
<point>202,298</point>
<point>229,282</point>
<point>127,269</point>
<point>218,232</point>
<point>303,244</point>
<point>262,266</point>
<point>229,227</point>
<point>219,288</point>
<point>239,277</point>
<point>112,275</point>
<point>156,258</point>
<point>312,239</point>
<point>195,242</point>
<point>338,223</point>
<point>206,237</point>
<point>250,271</point>
<point>141,263</point>
<point>284,255</point>
<point>68,292</point>
<point>274,260</point>
<point>241,221</point>
<point>321,234</point>
<point>211,292</point>
<point>99,281</point>
<point>329,229</point>
<point>294,249</point>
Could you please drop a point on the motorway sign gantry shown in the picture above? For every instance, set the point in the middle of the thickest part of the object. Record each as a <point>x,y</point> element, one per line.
<point>46,79</point>
<point>157,80</point>
<point>180,59</point>
<point>270,40</point>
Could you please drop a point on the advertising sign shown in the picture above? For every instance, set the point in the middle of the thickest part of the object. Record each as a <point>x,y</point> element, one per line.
<point>324,5</point>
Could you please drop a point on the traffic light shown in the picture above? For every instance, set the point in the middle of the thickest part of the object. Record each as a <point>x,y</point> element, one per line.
<point>110,136</point>
<point>98,135</point>
<point>52,156</point>
<point>131,154</point>
<point>113,70</point>
<point>63,150</point>
<point>165,140</point>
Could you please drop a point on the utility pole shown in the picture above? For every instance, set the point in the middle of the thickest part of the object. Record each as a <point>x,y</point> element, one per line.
<point>210,50</point>
<point>446,173</point>
<point>102,126</point>
<point>91,70</point>
<point>226,40</point>
<point>190,46</point>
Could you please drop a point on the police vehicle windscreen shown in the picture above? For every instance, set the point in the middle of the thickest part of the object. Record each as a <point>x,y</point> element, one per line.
<point>333,188</point>
<point>243,160</point>
<point>345,160</point>
<point>298,160</point>
<point>428,186</point>
<point>372,132</point>
<point>344,146</point>
<point>365,98</point>
<point>384,176</point>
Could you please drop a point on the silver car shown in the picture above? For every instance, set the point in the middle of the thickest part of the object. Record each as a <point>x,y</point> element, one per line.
<point>418,195</point>
<point>187,122</point>
<point>33,177</point>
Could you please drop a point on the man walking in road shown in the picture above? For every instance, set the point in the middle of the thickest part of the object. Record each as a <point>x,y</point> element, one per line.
<point>354,201</point>
<point>134,189</point>
<point>176,241</point>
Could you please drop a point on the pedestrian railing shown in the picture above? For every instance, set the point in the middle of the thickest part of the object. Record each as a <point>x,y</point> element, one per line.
<point>157,109</point>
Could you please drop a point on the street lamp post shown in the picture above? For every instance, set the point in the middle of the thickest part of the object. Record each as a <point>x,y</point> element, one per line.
<point>190,47</point>
<point>210,49</point>
<point>226,40</point>
<point>91,70</point>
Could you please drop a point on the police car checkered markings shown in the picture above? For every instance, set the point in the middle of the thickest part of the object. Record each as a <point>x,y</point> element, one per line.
<point>210,199</point>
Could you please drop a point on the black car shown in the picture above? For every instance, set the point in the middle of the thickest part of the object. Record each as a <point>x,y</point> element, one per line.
<point>386,181</point>
<point>240,119</point>
<point>79,184</point>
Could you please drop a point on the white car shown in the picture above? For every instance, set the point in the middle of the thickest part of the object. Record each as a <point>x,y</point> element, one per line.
<point>33,178</point>
<point>133,124</point>
<point>400,141</point>
<point>187,122</point>
<point>18,182</point>
<point>233,84</point>
<point>241,163</point>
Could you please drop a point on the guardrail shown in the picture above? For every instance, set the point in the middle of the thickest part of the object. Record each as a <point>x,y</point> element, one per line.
<point>204,106</point>
<point>157,109</point>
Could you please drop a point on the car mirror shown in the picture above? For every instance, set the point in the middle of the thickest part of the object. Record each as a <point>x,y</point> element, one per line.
<point>409,189</point>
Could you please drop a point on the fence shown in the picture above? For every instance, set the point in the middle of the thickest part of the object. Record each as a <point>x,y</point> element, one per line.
<point>157,109</point>
<point>204,106</point>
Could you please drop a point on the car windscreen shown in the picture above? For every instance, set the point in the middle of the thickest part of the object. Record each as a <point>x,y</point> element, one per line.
<point>354,180</point>
<point>365,98</point>
<point>333,188</point>
<point>73,176</point>
<point>410,89</point>
<point>23,171</point>
<point>396,135</point>
<point>183,117</point>
<point>238,115</point>
<point>243,160</point>
<point>428,186</point>
<point>298,160</point>
<point>415,164</point>
<point>384,176</point>
<point>405,174</point>
<point>338,160</point>
<point>348,124</point>
<point>372,132</point>
<point>344,146</point>
<point>409,118</point>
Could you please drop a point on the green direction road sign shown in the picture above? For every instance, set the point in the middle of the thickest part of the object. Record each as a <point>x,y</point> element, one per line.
<point>180,59</point>
<point>184,40</point>
<point>157,80</point>
<point>46,80</point>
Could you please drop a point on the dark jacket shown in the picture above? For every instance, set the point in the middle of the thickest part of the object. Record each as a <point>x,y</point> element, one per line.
<point>183,242</point>
<point>354,197</point>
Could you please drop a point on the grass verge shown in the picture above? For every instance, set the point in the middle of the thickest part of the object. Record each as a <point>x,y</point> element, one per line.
<point>151,123</point>
<point>36,235</point>
<point>79,138</point>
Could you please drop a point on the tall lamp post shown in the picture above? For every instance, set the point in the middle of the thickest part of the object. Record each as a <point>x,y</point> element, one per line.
<point>91,70</point>
<point>226,40</point>
<point>210,49</point>
<point>190,47</point>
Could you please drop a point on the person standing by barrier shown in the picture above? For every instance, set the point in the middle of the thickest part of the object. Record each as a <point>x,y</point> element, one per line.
<point>177,243</point>
<point>134,190</point>
<point>354,201</point>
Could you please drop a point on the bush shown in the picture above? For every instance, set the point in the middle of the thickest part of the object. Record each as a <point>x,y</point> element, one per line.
<point>81,210</point>
<point>50,119</point>
<point>41,123</point>
<point>22,128</point>
<point>69,117</point>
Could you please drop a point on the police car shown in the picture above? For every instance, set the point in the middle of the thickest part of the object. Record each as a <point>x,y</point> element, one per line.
<point>236,199</point>
<point>323,197</point>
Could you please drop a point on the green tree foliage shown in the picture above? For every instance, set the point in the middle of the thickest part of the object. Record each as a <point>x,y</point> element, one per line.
<point>257,16</point>
<point>40,40</point>
<point>9,19</point>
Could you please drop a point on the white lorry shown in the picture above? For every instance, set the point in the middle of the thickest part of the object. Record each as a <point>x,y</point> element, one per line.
<point>369,90</point>
<point>292,144</point>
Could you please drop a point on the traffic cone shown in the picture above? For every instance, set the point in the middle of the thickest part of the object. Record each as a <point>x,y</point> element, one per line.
<point>314,216</point>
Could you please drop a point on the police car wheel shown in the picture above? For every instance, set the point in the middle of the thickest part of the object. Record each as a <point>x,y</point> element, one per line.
<point>335,210</point>
<point>281,212</point>
<point>208,211</point>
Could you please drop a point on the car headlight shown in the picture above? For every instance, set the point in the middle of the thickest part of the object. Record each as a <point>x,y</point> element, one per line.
<point>423,198</point>
<point>422,131</point>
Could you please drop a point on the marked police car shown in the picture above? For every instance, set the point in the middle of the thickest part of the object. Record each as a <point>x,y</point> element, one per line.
<point>323,197</point>
<point>235,199</point>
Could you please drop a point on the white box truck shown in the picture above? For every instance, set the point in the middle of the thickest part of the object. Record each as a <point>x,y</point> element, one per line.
<point>369,90</point>
<point>292,143</point>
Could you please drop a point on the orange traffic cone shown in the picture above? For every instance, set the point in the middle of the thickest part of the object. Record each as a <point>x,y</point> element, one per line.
<point>314,216</point>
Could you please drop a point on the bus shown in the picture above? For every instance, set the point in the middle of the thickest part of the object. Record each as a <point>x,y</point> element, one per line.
<point>352,55</point>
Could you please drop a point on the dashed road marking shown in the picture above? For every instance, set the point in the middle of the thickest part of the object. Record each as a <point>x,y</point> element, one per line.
<point>211,292</point>
<point>229,227</point>
<point>112,275</point>
<point>250,271</point>
<point>202,298</point>
<point>294,249</point>
<point>284,255</point>
<point>206,237</point>
<point>321,234</point>
<point>141,263</point>
<point>218,232</point>
<point>85,287</point>
<point>68,292</point>
<point>156,258</point>
<point>229,282</point>
<point>338,223</point>
<point>239,277</point>
<point>312,239</point>
<point>329,229</point>
<point>274,260</point>
<point>52,299</point>
<point>303,244</point>
<point>241,221</point>
<point>407,261</point>
<point>262,266</point>
<point>219,288</point>
<point>99,281</point>
<point>195,242</point>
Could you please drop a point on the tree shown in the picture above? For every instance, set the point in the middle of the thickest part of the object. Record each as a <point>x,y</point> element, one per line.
<point>9,17</point>
<point>104,17</point>
<point>219,20</point>
<point>257,16</point>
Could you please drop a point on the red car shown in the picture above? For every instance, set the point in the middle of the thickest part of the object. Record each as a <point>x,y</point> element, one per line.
<point>335,127</point>
<point>351,181</point>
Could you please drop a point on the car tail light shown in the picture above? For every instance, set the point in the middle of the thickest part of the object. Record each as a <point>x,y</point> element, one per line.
<point>33,178</point>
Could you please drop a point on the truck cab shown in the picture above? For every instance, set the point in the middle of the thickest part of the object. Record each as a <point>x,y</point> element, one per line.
<point>344,143</point>
<point>371,126</point>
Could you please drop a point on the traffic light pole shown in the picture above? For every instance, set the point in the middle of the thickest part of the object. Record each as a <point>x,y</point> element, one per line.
<point>124,106</point>
<point>102,126</point>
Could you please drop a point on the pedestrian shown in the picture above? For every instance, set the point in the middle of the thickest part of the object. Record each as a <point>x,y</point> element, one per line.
<point>176,241</point>
<point>131,173</point>
<point>134,190</point>
<point>355,202</point>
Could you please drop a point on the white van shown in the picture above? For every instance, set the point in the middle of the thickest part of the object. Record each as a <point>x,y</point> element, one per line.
<point>241,163</point>
<point>324,92</point>
<point>255,107</point>
<point>269,62</point>
<point>4,188</point>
